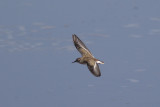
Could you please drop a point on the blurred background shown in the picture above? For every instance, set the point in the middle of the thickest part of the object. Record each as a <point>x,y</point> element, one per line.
<point>36,51</point>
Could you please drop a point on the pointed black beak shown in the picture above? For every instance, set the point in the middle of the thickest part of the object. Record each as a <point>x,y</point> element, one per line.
<point>74,61</point>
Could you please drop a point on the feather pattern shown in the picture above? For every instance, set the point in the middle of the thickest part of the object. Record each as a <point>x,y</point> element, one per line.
<point>87,57</point>
<point>81,46</point>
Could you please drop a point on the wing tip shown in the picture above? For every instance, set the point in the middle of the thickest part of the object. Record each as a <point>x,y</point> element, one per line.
<point>74,36</point>
<point>97,75</point>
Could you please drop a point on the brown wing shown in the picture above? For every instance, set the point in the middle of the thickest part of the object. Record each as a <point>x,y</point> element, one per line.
<point>94,68</point>
<point>81,46</point>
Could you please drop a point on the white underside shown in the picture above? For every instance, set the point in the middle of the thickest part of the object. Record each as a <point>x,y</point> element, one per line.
<point>99,62</point>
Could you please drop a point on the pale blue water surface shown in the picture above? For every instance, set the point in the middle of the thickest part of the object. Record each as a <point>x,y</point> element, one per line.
<point>36,52</point>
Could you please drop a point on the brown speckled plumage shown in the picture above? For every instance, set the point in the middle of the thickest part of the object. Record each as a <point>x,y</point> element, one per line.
<point>87,57</point>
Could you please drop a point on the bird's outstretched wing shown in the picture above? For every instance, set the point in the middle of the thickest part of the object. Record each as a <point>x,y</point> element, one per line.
<point>94,68</point>
<point>81,46</point>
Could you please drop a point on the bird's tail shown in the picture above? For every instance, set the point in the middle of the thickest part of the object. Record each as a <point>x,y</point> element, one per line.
<point>99,62</point>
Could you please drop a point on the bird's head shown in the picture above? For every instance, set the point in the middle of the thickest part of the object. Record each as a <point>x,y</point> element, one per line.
<point>77,60</point>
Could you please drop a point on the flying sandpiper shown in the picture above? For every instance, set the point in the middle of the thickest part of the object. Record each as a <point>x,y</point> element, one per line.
<point>87,57</point>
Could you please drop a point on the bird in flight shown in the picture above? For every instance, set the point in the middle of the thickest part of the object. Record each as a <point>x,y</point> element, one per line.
<point>87,57</point>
